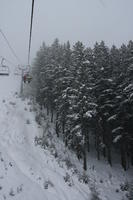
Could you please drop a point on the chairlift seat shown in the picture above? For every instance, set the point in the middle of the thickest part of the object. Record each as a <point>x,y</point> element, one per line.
<point>4,70</point>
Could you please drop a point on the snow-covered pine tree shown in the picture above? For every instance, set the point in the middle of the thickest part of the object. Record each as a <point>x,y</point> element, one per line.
<point>90,90</point>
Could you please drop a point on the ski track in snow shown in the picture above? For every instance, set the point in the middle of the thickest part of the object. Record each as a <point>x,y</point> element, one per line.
<point>24,163</point>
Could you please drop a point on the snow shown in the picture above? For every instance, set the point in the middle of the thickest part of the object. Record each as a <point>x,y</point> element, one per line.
<point>113,117</point>
<point>110,80</point>
<point>117,138</point>
<point>76,128</point>
<point>129,87</point>
<point>131,95</point>
<point>117,130</point>
<point>86,62</point>
<point>105,179</point>
<point>102,68</point>
<point>88,114</point>
<point>29,172</point>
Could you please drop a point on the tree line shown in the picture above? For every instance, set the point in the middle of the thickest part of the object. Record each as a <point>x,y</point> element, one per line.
<point>88,92</point>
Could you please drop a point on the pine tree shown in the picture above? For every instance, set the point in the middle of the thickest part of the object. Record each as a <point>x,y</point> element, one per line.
<point>91,93</point>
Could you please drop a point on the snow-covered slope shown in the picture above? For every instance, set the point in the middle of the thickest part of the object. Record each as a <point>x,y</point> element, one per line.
<point>27,172</point>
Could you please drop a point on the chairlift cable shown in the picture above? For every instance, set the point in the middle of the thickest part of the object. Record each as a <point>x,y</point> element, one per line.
<point>32,11</point>
<point>102,3</point>
<point>10,47</point>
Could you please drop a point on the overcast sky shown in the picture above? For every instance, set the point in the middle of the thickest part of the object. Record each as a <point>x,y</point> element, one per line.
<point>85,20</point>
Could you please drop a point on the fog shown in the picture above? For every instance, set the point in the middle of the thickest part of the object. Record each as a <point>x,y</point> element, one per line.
<point>85,20</point>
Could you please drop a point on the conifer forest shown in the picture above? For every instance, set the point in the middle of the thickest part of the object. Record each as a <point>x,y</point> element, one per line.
<point>88,93</point>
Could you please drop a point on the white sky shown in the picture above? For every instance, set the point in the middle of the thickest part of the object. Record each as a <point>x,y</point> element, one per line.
<point>85,20</point>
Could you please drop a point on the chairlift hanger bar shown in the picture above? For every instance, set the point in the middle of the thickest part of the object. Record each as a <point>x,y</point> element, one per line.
<point>32,11</point>
<point>2,61</point>
<point>7,60</point>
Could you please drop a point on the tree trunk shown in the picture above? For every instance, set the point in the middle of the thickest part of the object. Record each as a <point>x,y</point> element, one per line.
<point>84,132</point>
<point>109,155</point>
<point>52,116</point>
<point>47,110</point>
<point>132,156</point>
<point>128,161</point>
<point>63,130</point>
<point>57,129</point>
<point>123,157</point>
<point>132,160</point>
<point>88,142</point>
<point>41,106</point>
<point>97,133</point>
<point>104,148</point>
<point>104,152</point>
<point>97,147</point>
<point>66,142</point>
<point>85,158</point>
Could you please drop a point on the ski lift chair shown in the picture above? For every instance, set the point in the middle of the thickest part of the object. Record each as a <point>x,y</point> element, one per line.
<point>4,70</point>
<point>27,78</point>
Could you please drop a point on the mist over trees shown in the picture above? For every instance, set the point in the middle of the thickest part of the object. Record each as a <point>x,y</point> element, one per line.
<point>88,92</point>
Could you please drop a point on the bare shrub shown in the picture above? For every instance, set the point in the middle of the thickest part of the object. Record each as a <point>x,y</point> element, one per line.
<point>68,179</point>
<point>47,184</point>
<point>130,194</point>
<point>11,193</point>
<point>117,190</point>
<point>29,103</point>
<point>38,140</point>
<point>124,186</point>
<point>20,188</point>
<point>12,103</point>
<point>27,121</point>
<point>68,162</point>
<point>101,180</point>
<point>38,119</point>
<point>94,193</point>
<point>30,109</point>
<point>83,178</point>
